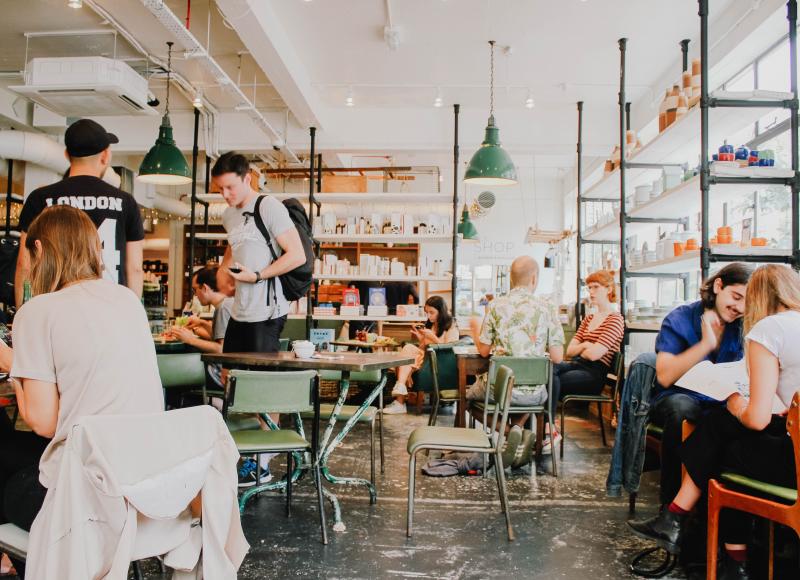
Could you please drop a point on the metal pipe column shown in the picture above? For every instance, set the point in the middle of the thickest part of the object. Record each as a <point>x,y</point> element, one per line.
<point>791,7</point>
<point>193,218</point>
<point>623,43</point>
<point>705,250</point>
<point>454,280</point>
<point>311,158</point>
<point>579,218</point>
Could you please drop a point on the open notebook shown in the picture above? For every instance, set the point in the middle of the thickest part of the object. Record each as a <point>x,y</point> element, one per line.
<point>720,381</point>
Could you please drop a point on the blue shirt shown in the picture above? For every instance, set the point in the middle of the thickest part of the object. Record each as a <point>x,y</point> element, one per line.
<point>682,329</point>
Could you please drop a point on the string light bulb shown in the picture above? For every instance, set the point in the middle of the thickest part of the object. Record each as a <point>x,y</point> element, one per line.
<point>350,100</point>
<point>198,100</point>
<point>438,101</point>
<point>75,3</point>
<point>529,102</point>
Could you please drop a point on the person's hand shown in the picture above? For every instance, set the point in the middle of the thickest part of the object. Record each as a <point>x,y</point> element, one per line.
<point>428,335</point>
<point>415,334</point>
<point>6,357</point>
<point>193,322</point>
<point>245,275</point>
<point>182,333</point>
<point>736,404</point>
<point>475,325</point>
<point>712,328</point>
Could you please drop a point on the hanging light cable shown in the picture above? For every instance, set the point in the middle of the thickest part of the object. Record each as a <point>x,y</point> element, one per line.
<point>491,164</point>
<point>164,164</point>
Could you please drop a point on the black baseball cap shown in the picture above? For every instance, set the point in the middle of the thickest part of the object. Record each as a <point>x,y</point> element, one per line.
<point>86,137</point>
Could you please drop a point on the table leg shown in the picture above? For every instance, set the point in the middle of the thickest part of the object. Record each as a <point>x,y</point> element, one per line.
<point>328,449</point>
<point>462,392</point>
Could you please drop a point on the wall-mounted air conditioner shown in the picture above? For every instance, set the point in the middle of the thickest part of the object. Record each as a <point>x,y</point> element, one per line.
<point>85,86</point>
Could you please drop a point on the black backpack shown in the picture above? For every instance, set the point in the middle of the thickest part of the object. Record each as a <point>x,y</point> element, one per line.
<point>296,282</point>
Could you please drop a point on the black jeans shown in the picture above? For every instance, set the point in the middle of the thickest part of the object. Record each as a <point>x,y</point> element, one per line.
<point>721,443</point>
<point>669,412</point>
<point>21,494</point>
<point>578,378</point>
<point>263,336</point>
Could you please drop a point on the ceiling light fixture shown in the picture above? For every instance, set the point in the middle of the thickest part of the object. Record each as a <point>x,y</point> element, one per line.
<point>197,103</point>
<point>529,102</point>
<point>75,3</point>
<point>438,101</point>
<point>350,100</point>
<point>466,228</point>
<point>164,164</point>
<point>491,164</point>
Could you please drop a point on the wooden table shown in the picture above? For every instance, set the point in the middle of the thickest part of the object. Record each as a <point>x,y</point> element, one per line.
<point>469,363</point>
<point>344,362</point>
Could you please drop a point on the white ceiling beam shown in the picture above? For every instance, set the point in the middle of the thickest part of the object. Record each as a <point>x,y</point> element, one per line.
<point>259,28</point>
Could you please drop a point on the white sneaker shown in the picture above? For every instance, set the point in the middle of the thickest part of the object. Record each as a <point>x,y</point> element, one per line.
<point>399,389</point>
<point>547,446</point>
<point>396,408</point>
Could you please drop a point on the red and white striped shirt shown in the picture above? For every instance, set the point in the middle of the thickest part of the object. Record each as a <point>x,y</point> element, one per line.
<point>609,334</point>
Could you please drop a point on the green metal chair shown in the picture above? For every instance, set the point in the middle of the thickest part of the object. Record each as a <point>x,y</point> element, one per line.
<point>184,372</point>
<point>468,440</point>
<point>370,416</point>
<point>613,380</point>
<point>440,371</point>
<point>527,371</point>
<point>265,392</point>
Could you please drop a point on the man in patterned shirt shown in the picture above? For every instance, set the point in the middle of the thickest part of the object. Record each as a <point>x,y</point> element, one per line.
<point>519,324</point>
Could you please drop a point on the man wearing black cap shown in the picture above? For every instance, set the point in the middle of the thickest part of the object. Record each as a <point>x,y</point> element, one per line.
<point>113,211</point>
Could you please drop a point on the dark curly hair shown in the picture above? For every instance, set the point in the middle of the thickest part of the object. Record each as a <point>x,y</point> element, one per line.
<point>735,273</point>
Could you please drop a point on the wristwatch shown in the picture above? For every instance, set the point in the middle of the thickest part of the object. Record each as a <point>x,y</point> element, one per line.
<point>258,277</point>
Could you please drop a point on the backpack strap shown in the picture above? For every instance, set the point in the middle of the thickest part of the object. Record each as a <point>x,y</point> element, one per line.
<point>262,227</point>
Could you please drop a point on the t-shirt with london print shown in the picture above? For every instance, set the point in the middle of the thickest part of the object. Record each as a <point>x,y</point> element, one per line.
<point>113,212</point>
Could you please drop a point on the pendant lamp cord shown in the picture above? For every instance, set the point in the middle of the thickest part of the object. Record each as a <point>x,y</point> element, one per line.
<point>491,80</point>
<point>169,72</point>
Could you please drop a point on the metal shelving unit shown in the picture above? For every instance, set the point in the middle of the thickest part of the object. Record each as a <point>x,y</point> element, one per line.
<point>707,256</point>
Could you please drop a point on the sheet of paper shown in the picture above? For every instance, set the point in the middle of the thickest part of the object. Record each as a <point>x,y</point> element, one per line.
<point>720,381</point>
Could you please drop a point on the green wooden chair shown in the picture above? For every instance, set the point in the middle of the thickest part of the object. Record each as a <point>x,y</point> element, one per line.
<point>439,376</point>
<point>184,372</point>
<point>527,371</point>
<point>468,440</point>
<point>371,416</point>
<point>264,392</point>
<point>613,380</point>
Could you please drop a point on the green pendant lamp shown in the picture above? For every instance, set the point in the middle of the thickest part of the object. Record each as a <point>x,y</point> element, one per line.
<point>491,164</point>
<point>466,228</point>
<point>164,164</point>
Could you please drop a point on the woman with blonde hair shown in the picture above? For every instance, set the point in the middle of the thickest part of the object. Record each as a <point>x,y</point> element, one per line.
<point>82,346</point>
<point>744,436</point>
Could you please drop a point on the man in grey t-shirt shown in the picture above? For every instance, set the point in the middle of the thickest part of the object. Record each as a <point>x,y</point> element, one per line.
<point>259,309</point>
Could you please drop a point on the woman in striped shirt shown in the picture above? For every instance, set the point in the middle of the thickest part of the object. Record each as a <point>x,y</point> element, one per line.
<point>592,349</point>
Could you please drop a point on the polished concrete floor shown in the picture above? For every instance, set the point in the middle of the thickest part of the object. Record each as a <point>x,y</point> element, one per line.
<point>565,527</point>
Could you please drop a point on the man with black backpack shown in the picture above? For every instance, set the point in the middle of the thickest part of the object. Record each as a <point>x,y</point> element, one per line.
<point>264,250</point>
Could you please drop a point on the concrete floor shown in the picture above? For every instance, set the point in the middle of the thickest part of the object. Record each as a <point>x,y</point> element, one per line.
<point>565,527</point>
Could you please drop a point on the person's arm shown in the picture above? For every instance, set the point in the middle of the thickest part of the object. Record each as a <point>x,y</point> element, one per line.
<point>186,336</point>
<point>23,271</point>
<point>764,370</point>
<point>293,256</point>
<point>672,366</point>
<point>556,353</point>
<point>38,405</point>
<point>6,357</point>
<point>134,273</point>
<point>476,329</point>
<point>612,330</point>
<point>576,346</point>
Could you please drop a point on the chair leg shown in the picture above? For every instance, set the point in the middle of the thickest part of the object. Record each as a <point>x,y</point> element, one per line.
<point>289,471</point>
<point>321,500</point>
<point>501,487</point>
<point>632,505</point>
<point>372,451</point>
<point>533,422</point>
<point>434,410</point>
<point>553,454</point>
<point>771,561</point>
<point>563,429</point>
<point>498,468</point>
<point>412,466</point>
<point>712,539</point>
<point>380,431</point>
<point>602,425</point>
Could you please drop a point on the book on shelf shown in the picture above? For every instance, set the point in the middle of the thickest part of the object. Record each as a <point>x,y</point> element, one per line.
<point>377,297</point>
<point>351,310</point>
<point>376,310</point>
<point>321,337</point>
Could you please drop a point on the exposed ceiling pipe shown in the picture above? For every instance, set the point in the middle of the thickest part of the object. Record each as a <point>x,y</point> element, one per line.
<point>195,50</point>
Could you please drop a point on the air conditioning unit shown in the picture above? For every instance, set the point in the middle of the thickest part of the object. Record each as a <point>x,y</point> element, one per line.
<point>85,86</point>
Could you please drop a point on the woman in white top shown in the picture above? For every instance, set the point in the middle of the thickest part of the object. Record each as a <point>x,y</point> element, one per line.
<point>82,346</point>
<point>746,436</point>
<point>439,328</point>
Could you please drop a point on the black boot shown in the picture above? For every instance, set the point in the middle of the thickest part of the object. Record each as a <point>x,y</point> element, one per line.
<point>665,529</point>
<point>730,569</point>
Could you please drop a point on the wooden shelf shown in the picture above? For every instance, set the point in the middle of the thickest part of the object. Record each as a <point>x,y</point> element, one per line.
<point>399,198</point>
<point>643,326</point>
<point>365,277</point>
<point>385,238</point>
<point>369,318</point>
<point>690,261</point>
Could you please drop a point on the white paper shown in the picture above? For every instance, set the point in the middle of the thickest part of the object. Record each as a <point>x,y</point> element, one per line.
<point>720,381</point>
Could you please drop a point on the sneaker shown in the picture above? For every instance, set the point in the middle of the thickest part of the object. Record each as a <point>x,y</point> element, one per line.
<point>399,389</point>
<point>513,441</point>
<point>247,473</point>
<point>547,446</point>
<point>396,408</point>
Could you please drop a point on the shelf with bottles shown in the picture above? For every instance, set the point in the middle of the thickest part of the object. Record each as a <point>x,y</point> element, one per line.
<point>681,141</point>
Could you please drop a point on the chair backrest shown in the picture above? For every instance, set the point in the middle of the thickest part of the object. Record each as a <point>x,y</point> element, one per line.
<point>793,427</point>
<point>270,391</point>
<point>616,373</point>
<point>501,391</point>
<point>533,370</point>
<point>181,370</point>
<point>443,368</point>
